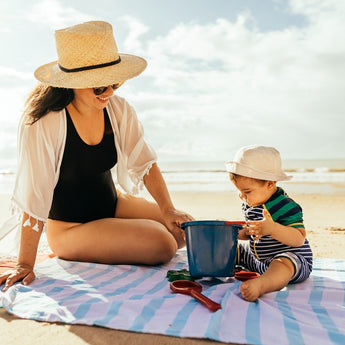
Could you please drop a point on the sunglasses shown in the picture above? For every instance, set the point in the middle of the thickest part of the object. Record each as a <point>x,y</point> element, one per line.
<point>99,90</point>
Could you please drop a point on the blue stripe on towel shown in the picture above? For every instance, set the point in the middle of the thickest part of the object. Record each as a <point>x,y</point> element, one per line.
<point>213,328</point>
<point>292,329</point>
<point>44,283</point>
<point>150,308</point>
<point>87,268</point>
<point>71,297</point>
<point>81,292</point>
<point>253,323</point>
<point>138,298</point>
<point>146,315</point>
<point>116,278</point>
<point>113,310</point>
<point>83,309</point>
<point>56,289</point>
<point>102,273</point>
<point>123,289</point>
<point>158,287</point>
<point>325,320</point>
<point>181,318</point>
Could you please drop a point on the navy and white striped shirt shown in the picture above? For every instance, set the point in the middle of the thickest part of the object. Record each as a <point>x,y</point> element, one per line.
<point>285,211</point>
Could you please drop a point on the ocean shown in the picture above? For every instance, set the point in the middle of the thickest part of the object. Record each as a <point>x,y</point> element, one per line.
<point>308,176</point>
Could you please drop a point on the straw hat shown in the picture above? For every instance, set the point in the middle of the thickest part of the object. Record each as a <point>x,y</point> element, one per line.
<point>88,57</point>
<point>260,162</point>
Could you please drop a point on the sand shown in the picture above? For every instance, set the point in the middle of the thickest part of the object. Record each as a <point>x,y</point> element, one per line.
<point>323,217</point>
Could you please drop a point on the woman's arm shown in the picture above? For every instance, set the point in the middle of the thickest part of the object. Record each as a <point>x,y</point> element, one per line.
<point>27,256</point>
<point>155,184</point>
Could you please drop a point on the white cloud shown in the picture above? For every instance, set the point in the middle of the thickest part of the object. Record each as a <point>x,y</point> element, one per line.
<point>8,72</point>
<point>12,100</point>
<point>279,87</point>
<point>3,16</point>
<point>55,14</point>
<point>136,29</point>
<point>210,88</point>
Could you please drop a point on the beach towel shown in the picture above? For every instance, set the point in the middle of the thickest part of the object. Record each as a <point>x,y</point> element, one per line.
<point>139,299</point>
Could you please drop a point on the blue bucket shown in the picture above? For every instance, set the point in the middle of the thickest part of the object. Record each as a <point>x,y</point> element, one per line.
<point>211,247</point>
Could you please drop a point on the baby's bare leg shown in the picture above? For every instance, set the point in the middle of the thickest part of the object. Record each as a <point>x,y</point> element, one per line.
<point>277,276</point>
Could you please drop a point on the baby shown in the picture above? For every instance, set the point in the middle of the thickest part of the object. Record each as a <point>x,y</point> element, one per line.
<point>276,244</point>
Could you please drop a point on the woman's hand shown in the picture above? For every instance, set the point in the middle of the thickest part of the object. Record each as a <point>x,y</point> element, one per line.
<point>22,272</point>
<point>174,218</point>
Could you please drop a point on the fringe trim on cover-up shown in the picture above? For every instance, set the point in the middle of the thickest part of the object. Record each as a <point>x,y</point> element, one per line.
<point>138,181</point>
<point>28,223</point>
<point>10,232</point>
<point>32,221</point>
<point>10,239</point>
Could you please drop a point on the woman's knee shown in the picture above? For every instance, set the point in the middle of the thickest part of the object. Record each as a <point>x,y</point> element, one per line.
<point>164,245</point>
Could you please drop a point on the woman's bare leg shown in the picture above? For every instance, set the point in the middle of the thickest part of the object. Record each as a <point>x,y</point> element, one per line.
<point>132,207</point>
<point>129,206</point>
<point>277,276</point>
<point>135,236</point>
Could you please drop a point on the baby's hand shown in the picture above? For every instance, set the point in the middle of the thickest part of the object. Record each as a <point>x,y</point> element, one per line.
<point>261,227</point>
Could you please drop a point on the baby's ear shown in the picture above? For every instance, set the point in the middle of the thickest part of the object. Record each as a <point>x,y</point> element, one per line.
<point>271,184</point>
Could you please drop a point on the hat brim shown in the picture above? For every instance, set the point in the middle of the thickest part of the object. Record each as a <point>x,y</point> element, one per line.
<point>129,67</point>
<point>244,170</point>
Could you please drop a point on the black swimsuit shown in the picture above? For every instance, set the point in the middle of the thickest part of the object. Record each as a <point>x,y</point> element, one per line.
<point>85,190</point>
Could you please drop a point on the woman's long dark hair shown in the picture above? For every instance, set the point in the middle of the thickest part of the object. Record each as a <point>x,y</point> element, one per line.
<point>45,98</point>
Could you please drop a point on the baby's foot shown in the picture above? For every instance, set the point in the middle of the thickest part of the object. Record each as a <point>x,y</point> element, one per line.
<point>251,290</point>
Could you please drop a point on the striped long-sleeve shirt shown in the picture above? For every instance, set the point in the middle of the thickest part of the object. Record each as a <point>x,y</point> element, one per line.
<point>285,211</point>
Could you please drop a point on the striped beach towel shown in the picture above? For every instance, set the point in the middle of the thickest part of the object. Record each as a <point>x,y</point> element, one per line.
<point>139,299</point>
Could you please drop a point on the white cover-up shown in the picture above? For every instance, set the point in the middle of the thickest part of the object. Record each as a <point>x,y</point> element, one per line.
<point>40,151</point>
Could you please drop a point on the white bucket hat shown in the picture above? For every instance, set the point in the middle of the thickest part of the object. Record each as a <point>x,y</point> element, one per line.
<point>88,57</point>
<point>260,162</point>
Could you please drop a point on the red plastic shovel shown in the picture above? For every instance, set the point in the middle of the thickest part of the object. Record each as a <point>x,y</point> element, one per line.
<point>188,287</point>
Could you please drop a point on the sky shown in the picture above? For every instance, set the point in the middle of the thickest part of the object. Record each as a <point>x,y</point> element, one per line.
<point>221,74</point>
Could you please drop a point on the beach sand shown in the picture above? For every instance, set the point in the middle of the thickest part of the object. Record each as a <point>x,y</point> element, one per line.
<point>323,217</point>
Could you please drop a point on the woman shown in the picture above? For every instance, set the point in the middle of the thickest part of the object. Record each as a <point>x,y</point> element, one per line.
<point>73,132</point>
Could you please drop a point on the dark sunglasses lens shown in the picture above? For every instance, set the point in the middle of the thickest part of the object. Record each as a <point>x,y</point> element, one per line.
<point>99,90</point>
